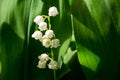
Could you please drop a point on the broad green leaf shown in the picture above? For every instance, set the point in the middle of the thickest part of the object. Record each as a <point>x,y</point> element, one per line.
<point>97,36</point>
<point>11,46</point>
<point>12,35</point>
<point>7,9</point>
<point>63,23</point>
<point>88,58</point>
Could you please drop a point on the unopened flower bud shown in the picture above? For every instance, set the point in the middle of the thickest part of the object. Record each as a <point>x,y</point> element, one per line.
<point>53,11</point>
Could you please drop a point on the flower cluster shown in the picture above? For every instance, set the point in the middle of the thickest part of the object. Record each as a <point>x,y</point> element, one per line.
<point>43,59</point>
<point>47,37</point>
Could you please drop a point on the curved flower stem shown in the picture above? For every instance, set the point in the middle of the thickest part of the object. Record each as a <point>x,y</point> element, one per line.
<point>54,71</point>
<point>49,22</point>
<point>47,17</point>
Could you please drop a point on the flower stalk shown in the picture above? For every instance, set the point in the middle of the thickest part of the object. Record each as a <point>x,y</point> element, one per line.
<point>54,71</point>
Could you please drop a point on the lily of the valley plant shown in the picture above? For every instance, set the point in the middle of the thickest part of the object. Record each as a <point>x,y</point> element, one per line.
<point>46,36</point>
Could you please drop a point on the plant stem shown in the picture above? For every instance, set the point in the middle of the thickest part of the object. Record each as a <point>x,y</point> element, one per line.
<point>54,71</point>
<point>49,22</point>
<point>48,18</point>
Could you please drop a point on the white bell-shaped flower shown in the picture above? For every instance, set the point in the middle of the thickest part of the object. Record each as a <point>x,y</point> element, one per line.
<point>43,57</point>
<point>42,26</point>
<point>53,11</point>
<point>41,64</point>
<point>37,35</point>
<point>46,42</point>
<point>38,19</point>
<point>55,43</point>
<point>49,33</point>
<point>53,65</point>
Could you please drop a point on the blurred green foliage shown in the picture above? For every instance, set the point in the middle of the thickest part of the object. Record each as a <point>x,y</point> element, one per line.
<point>93,55</point>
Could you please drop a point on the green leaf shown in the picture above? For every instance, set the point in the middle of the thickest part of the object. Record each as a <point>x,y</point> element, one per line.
<point>11,53</point>
<point>97,35</point>
<point>88,59</point>
<point>62,22</point>
<point>62,51</point>
<point>67,57</point>
<point>12,36</point>
<point>6,15</point>
<point>70,2</point>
